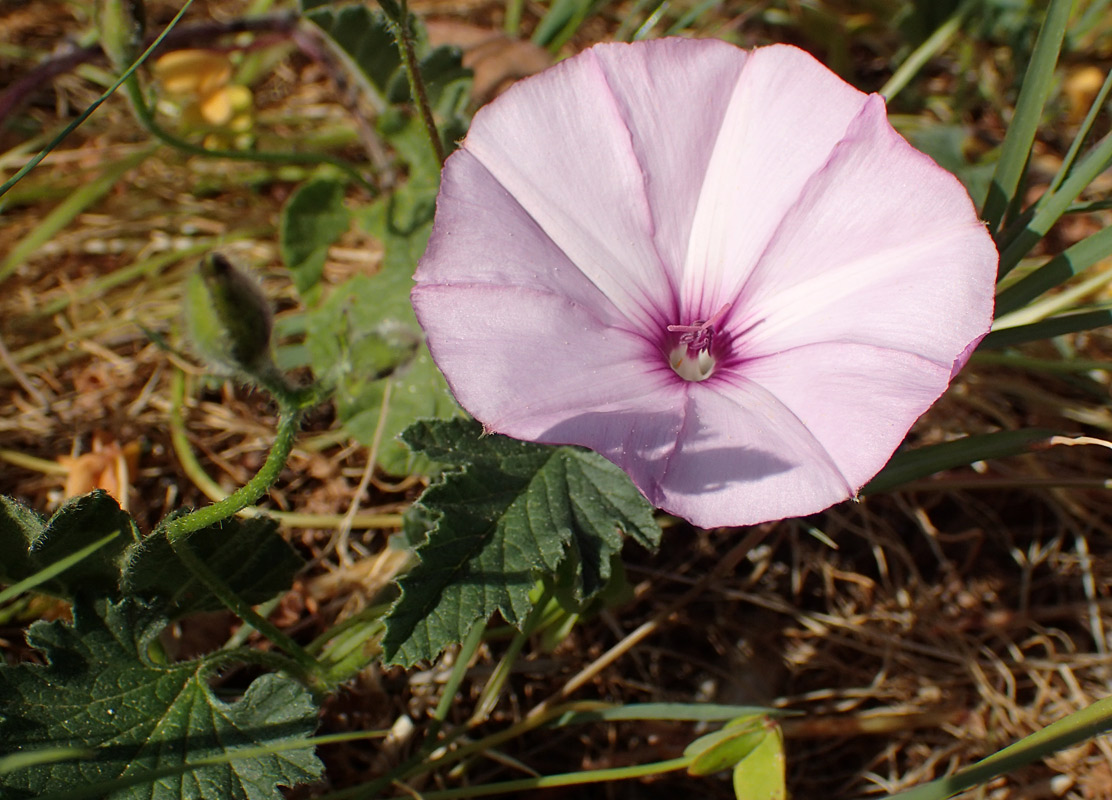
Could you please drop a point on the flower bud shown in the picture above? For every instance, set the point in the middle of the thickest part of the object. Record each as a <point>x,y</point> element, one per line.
<point>229,319</point>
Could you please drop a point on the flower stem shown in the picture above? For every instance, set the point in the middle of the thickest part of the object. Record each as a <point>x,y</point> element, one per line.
<point>404,37</point>
<point>177,531</point>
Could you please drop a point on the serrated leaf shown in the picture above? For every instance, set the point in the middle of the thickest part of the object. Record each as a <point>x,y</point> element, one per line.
<point>513,511</point>
<point>312,220</point>
<point>19,527</point>
<point>248,555</point>
<point>101,692</point>
<point>27,545</point>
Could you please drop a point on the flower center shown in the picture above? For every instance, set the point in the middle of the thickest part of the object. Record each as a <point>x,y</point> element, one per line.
<point>692,357</point>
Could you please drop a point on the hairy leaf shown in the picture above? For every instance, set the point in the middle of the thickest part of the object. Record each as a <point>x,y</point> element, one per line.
<point>312,220</point>
<point>28,545</point>
<point>143,724</point>
<point>509,512</point>
<point>248,555</point>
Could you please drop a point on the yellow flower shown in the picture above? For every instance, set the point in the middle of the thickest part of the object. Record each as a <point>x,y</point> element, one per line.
<point>202,80</point>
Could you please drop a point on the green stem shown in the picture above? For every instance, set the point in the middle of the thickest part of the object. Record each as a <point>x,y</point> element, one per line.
<point>308,669</point>
<point>404,39</point>
<point>493,689</point>
<point>459,671</point>
<point>177,532</point>
<point>289,421</point>
<point>567,779</point>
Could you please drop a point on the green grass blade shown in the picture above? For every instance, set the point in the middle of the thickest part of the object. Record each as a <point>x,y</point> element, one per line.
<point>1082,134</point>
<point>1073,729</point>
<point>37,758</point>
<point>57,568</point>
<point>88,112</point>
<point>1058,270</point>
<point>1037,84</point>
<point>935,43</point>
<point>64,212</point>
<point>1047,328</point>
<point>673,712</point>
<point>910,465</point>
<point>1052,205</point>
<point>689,17</point>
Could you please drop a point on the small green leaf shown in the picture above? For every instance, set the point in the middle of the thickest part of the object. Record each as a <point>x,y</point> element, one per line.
<point>511,512</point>
<point>760,775</point>
<point>27,546</point>
<point>248,555</point>
<point>101,692</point>
<point>725,748</point>
<point>312,220</point>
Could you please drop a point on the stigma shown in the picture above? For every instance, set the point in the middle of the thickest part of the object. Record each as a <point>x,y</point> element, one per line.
<point>692,357</point>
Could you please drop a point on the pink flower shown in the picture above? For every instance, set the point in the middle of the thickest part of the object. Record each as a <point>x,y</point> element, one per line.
<point>722,270</point>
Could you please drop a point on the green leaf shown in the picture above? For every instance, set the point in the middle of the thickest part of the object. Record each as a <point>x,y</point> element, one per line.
<point>364,335</point>
<point>363,38</point>
<point>27,546</point>
<point>312,220</point>
<point>510,511</point>
<point>100,691</point>
<point>249,556</point>
<point>727,747</point>
<point>19,527</point>
<point>760,775</point>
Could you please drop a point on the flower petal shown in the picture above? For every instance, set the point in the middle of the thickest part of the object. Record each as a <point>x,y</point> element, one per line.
<point>549,139</point>
<point>483,236</point>
<point>742,458</point>
<point>858,401</point>
<point>881,246</point>
<point>786,114</point>
<point>522,361</point>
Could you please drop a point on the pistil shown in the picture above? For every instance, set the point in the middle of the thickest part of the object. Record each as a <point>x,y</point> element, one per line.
<point>692,358</point>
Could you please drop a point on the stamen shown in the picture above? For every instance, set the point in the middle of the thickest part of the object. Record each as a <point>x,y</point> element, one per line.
<point>691,358</point>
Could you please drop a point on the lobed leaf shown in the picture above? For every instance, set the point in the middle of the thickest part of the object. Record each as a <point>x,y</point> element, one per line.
<point>101,693</point>
<point>510,512</point>
<point>250,556</point>
<point>28,545</point>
